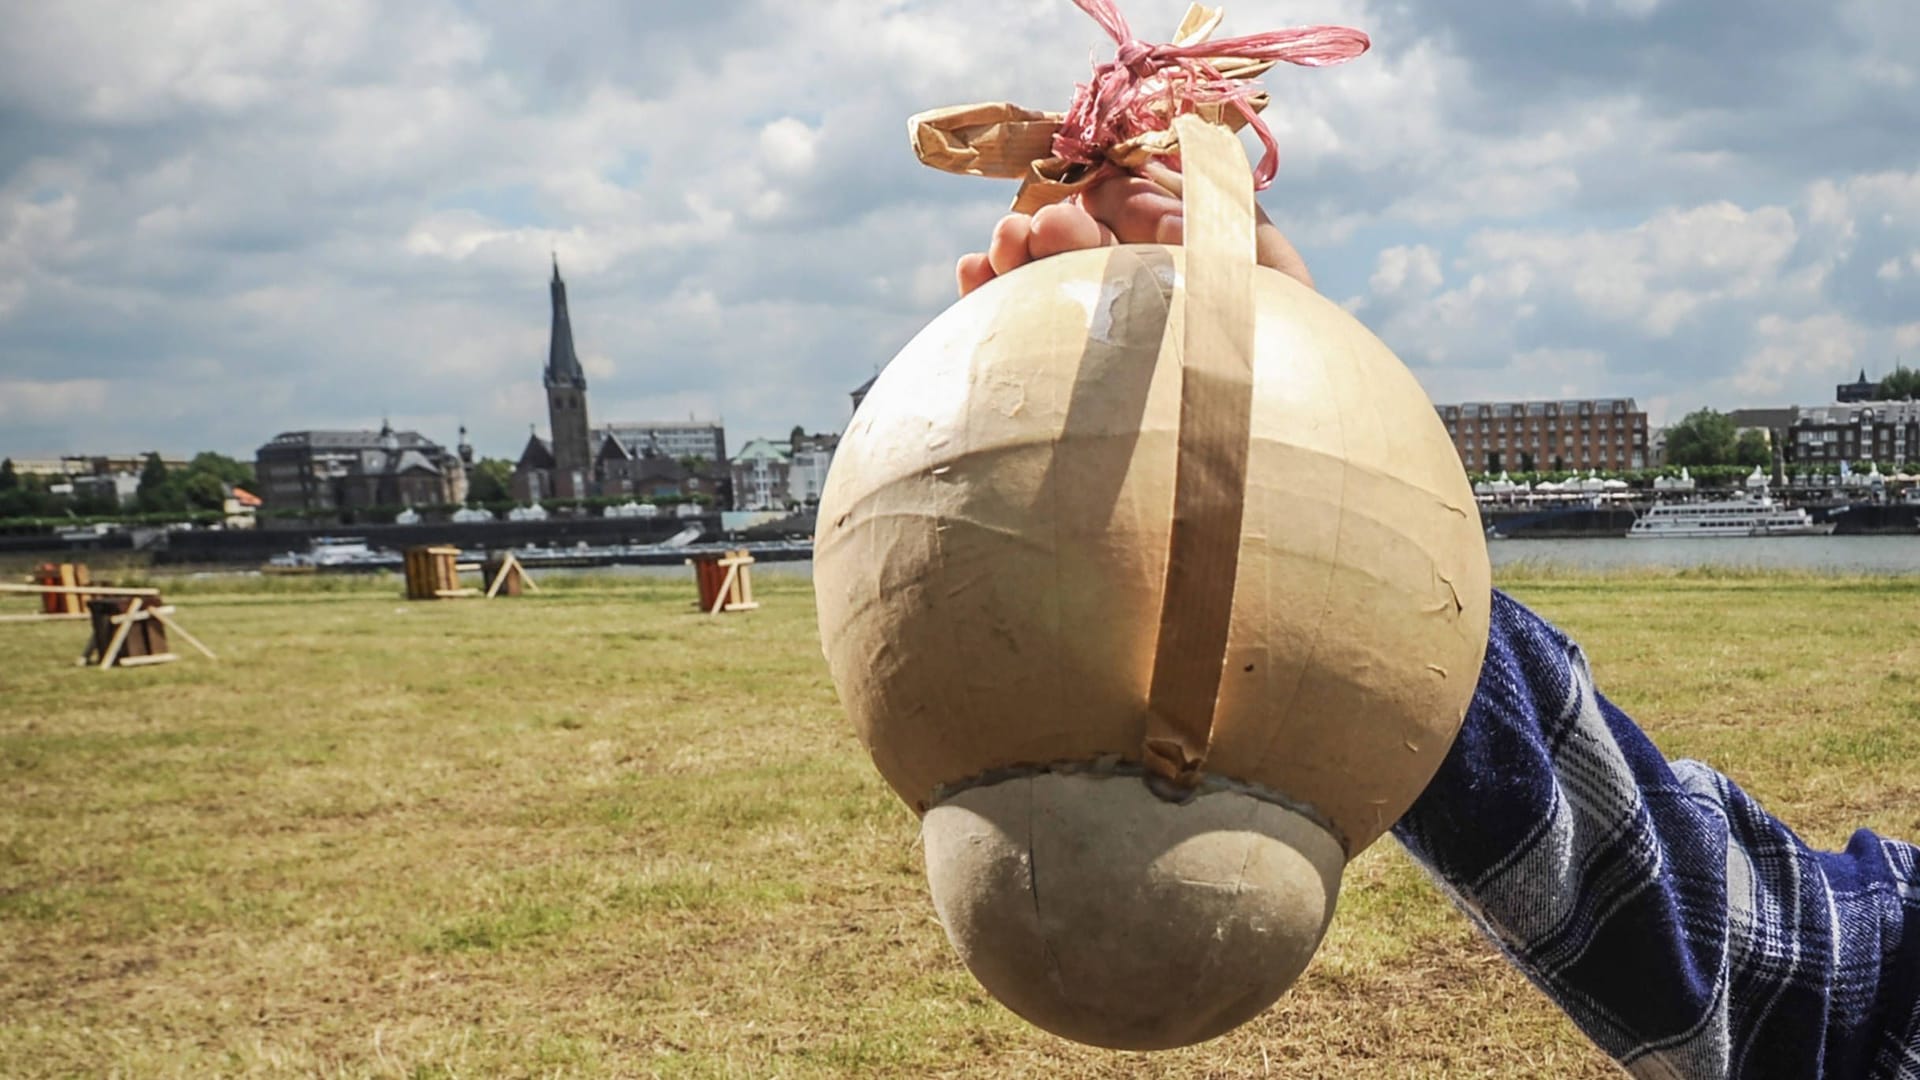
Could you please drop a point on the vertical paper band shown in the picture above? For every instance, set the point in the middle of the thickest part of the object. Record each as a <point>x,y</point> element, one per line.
<point>1210,482</point>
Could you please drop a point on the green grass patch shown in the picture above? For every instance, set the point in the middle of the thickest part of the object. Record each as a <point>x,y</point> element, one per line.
<point>592,832</point>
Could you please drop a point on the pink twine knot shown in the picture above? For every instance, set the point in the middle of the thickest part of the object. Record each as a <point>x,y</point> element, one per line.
<point>1145,86</point>
<point>1136,56</point>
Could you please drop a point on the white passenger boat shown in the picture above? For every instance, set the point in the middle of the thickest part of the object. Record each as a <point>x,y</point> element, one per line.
<point>1747,515</point>
<point>333,553</point>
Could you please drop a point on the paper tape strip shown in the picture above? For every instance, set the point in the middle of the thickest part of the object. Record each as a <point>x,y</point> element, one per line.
<point>1216,418</point>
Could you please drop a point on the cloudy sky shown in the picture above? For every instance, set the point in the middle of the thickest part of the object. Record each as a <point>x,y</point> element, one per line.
<point>220,219</point>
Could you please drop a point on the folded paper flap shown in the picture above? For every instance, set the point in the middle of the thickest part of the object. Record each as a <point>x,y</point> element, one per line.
<point>1198,24</point>
<point>994,139</point>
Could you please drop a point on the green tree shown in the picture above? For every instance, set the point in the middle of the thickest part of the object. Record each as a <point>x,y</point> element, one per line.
<point>200,490</point>
<point>95,503</point>
<point>1704,437</point>
<point>1753,448</point>
<point>28,497</point>
<point>1902,383</point>
<point>158,492</point>
<point>222,468</point>
<point>9,480</point>
<point>490,481</point>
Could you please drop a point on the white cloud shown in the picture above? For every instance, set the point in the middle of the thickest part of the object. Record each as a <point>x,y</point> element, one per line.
<point>1406,271</point>
<point>1823,346</point>
<point>65,399</point>
<point>265,217</point>
<point>787,146</point>
<point>1896,268</point>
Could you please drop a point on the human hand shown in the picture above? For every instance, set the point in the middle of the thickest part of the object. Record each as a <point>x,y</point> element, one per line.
<point>1124,210</point>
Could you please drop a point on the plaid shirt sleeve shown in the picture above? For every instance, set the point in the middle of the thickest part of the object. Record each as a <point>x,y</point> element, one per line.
<point>1685,930</point>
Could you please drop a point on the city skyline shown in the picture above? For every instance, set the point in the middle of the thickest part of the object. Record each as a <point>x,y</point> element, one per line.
<point>346,213</point>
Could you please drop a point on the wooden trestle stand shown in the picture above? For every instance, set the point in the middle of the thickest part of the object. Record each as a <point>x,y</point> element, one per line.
<point>129,625</point>
<point>725,583</point>
<point>433,573</point>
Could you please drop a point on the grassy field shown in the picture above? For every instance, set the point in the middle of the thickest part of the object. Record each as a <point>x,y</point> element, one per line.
<point>594,833</point>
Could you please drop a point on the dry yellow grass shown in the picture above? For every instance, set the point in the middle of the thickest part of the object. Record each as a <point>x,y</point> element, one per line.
<point>593,833</point>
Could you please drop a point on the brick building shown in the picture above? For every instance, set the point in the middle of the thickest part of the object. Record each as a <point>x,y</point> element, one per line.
<point>1594,433</point>
<point>342,470</point>
<point>1885,432</point>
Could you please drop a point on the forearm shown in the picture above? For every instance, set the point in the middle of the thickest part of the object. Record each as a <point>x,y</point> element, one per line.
<point>1685,930</point>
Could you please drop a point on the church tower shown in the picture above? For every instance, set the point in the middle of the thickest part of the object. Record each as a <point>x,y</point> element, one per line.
<point>567,403</point>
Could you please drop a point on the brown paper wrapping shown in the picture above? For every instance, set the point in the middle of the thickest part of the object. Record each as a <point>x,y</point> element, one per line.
<point>1151,505</point>
<point>993,557</point>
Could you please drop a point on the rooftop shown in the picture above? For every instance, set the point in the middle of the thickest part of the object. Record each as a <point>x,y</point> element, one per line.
<point>352,440</point>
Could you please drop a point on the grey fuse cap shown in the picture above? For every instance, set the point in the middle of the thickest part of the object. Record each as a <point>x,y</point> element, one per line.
<point>1107,915</point>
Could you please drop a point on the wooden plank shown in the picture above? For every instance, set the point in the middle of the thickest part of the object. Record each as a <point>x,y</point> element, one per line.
<point>155,658</point>
<point>726,585</point>
<point>59,617</point>
<point>449,594</point>
<point>72,575</point>
<point>77,590</point>
<point>162,613</point>
<point>510,565</point>
<point>119,640</point>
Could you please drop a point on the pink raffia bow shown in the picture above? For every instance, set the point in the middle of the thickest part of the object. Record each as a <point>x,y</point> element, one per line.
<point>1145,86</point>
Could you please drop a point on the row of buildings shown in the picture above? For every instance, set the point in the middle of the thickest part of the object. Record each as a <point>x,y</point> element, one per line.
<point>330,471</point>
<point>327,471</point>
<point>114,477</point>
<point>1612,434</point>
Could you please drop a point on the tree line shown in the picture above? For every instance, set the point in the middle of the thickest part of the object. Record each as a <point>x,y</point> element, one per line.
<point>200,487</point>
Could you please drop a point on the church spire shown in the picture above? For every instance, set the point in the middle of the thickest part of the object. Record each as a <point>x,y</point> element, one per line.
<point>563,367</point>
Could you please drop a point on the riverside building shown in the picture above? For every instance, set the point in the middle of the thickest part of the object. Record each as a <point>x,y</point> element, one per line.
<point>1524,436</point>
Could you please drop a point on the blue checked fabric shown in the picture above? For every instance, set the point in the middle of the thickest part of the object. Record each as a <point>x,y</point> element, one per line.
<point>1685,930</point>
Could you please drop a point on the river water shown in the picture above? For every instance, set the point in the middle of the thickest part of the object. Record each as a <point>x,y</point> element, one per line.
<point>1832,554</point>
<point>1839,554</point>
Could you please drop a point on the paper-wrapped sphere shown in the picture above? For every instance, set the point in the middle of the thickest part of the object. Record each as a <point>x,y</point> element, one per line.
<point>990,565</point>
